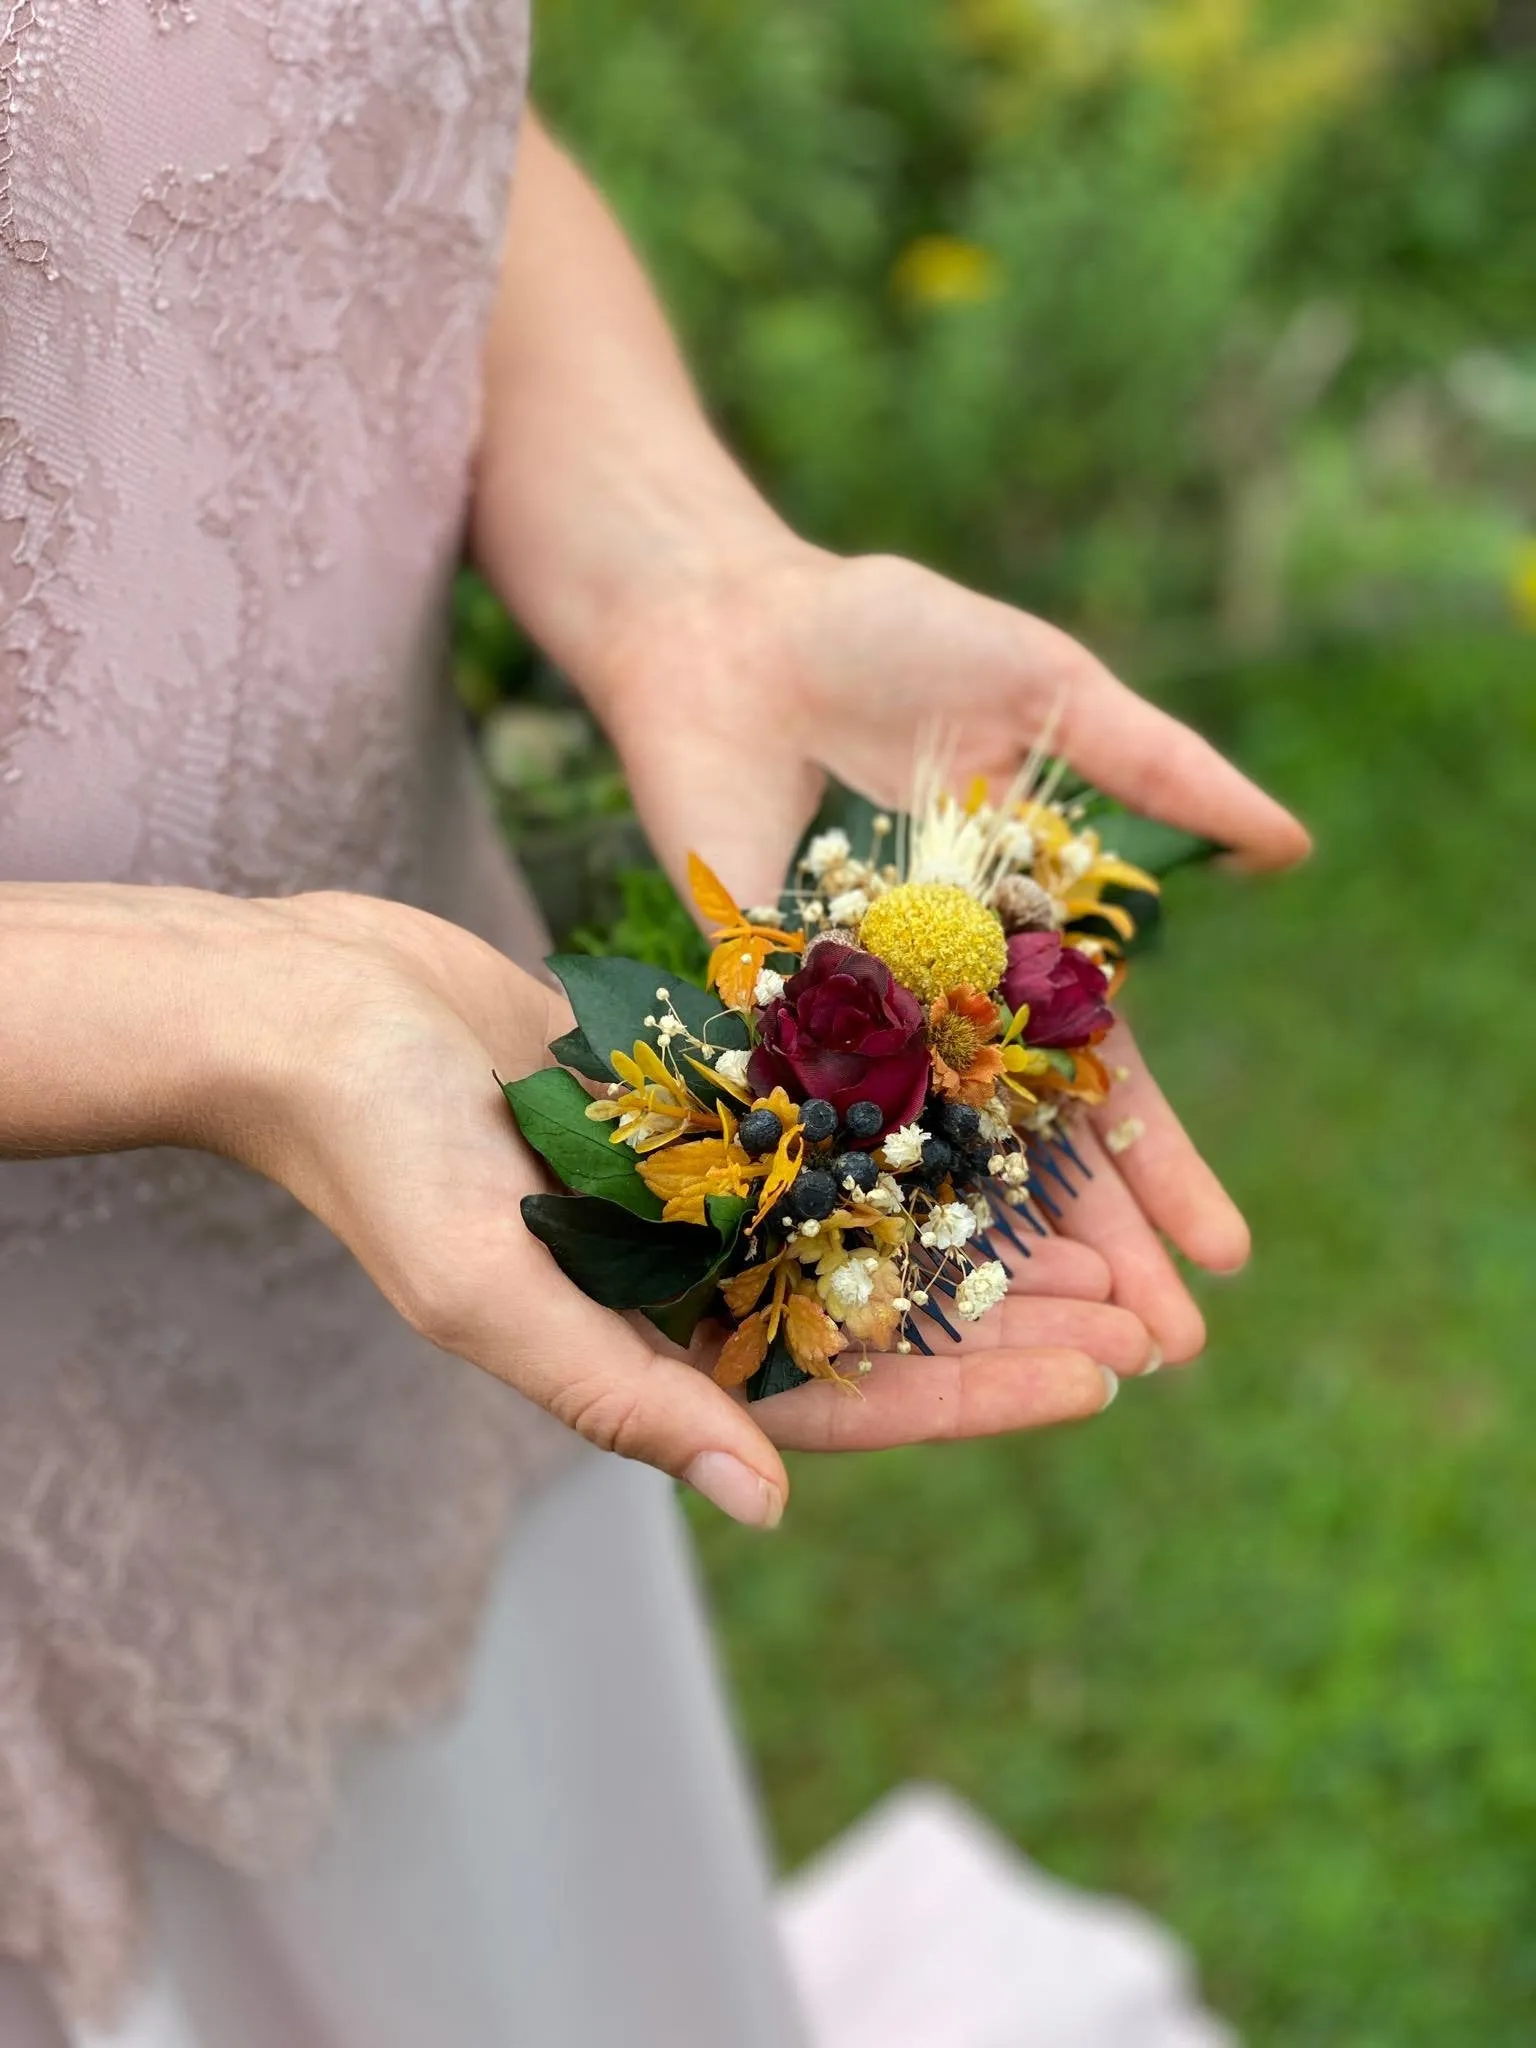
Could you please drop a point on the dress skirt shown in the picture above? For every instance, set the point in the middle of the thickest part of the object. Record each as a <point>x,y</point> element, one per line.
<point>573,1862</point>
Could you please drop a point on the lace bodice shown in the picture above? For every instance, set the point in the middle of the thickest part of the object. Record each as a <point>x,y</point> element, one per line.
<point>247,250</point>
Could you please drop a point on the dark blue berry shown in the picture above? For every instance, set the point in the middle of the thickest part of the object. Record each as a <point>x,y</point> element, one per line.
<point>813,1196</point>
<point>759,1131</point>
<point>818,1120</point>
<point>938,1159</point>
<point>857,1167</point>
<point>864,1120</point>
<point>958,1122</point>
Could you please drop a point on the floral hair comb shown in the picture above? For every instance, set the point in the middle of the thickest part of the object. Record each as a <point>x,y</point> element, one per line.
<point>851,1132</point>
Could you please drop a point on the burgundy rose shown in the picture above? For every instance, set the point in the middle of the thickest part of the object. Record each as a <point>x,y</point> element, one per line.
<point>846,1031</point>
<point>1063,988</point>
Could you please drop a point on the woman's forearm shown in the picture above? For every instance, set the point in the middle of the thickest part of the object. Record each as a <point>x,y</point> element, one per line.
<point>601,480</point>
<point>120,1011</point>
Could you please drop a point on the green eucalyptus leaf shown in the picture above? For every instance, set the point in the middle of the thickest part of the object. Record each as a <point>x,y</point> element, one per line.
<point>679,1319</point>
<point>572,1050</point>
<point>728,1213</point>
<point>777,1374</point>
<point>551,1111</point>
<point>613,997</point>
<point>617,1258</point>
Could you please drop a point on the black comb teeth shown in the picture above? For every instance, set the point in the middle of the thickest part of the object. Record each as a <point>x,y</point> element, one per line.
<point>1048,1157</point>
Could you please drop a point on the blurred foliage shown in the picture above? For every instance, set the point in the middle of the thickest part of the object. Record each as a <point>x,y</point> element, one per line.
<point>1181,321</point>
<point>652,924</point>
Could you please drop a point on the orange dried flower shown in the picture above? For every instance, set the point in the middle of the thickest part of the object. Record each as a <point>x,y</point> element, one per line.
<point>741,947</point>
<point>962,1026</point>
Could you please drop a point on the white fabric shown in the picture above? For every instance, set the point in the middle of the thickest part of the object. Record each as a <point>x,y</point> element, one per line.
<point>573,1864</point>
<point>924,1928</point>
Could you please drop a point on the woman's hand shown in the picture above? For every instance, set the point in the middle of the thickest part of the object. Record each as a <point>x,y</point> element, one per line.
<point>383,1117</point>
<point>731,694</point>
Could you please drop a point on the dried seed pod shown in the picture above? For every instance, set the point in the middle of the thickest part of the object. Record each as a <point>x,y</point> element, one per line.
<point>1024,906</point>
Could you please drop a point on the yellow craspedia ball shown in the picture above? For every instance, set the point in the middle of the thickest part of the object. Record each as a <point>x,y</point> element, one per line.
<point>934,936</point>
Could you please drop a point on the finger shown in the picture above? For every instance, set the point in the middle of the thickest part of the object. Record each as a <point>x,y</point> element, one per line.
<point>1106,1215</point>
<point>1108,1334</point>
<point>1056,1266</point>
<point>1158,1162</point>
<point>1158,766</point>
<point>600,1377</point>
<point>929,1400</point>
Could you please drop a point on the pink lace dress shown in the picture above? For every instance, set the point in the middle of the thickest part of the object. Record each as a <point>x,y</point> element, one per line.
<point>247,252</point>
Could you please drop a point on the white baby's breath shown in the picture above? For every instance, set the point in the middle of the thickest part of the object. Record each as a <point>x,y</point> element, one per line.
<point>1077,857</point>
<point>849,907</point>
<point>980,1290</point>
<point>949,1225</point>
<point>995,1126</point>
<point>826,849</point>
<point>768,987</point>
<point>847,1287</point>
<point>1016,843</point>
<point>732,1066</point>
<point>904,1148</point>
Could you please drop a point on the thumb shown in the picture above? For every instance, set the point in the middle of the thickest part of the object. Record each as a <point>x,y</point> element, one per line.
<point>600,1376</point>
<point>743,813</point>
<point>1158,766</point>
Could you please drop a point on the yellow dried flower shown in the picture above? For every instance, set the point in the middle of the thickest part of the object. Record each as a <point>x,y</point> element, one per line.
<point>933,937</point>
<point>650,1105</point>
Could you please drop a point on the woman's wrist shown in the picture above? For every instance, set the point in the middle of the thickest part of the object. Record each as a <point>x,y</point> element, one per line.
<point>692,611</point>
<point>132,1017</point>
<point>657,555</point>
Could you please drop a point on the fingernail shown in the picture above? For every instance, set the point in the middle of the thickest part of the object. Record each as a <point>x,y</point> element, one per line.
<point>735,1489</point>
<point>1154,1361</point>
<point>1111,1385</point>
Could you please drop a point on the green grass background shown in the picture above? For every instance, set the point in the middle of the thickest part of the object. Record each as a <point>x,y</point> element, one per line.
<point>1258,1647</point>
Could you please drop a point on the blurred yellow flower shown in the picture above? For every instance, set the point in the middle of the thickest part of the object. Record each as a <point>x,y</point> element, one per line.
<point>1256,80</point>
<point>942,270</point>
<point>1522,584</point>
